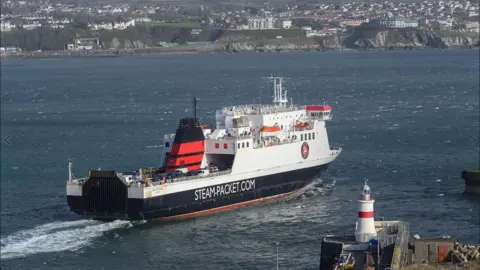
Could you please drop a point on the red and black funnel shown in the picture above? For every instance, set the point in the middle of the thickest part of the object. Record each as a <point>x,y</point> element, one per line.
<point>188,146</point>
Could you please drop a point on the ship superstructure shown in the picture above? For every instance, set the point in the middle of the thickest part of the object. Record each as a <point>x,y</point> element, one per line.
<point>253,154</point>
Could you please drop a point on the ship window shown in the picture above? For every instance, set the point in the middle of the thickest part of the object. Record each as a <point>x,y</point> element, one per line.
<point>238,145</point>
<point>224,146</point>
<point>167,144</point>
<point>216,145</point>
<point>309,136</point>
<point>301,137</point>
<point>247,144</point>
<point>243,145</point>
<point>313,136</point>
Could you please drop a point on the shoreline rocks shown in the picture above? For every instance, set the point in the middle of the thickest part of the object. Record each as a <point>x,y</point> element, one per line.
<point>464,254</point>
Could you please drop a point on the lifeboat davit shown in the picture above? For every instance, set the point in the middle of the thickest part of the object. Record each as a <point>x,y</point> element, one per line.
<point>270,130</point>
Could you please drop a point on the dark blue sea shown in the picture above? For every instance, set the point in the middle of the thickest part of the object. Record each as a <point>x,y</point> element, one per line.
<point>408,121</point>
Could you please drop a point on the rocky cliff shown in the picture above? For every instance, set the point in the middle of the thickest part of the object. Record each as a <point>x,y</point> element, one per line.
<point>416,38</point>
<point>144,37</point>
<point>360,38</point>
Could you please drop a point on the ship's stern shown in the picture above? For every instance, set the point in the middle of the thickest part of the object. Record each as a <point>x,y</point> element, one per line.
<point>74,195</point>
<point>103,195</point>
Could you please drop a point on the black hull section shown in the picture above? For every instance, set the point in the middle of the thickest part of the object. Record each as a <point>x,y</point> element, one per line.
<point>184,204</point>
<point>472,181</point>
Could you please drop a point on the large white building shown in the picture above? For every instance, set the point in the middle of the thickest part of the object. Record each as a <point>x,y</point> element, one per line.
<point>258,23</point>
<point>395,22</point>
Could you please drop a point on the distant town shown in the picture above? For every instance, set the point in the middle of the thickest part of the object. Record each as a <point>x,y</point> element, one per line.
<point>314,19</point>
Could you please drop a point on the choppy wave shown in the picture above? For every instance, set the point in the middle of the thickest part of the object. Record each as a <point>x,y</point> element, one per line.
<point>55,237</point>
<point>316,188</point>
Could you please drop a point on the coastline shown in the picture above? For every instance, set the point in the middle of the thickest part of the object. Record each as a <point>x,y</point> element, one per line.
<point>188,50</point>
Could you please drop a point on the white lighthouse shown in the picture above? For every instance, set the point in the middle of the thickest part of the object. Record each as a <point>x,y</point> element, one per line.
<point>365,227</point>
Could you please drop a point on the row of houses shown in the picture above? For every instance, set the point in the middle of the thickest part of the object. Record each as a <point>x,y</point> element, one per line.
<point>112,25</point>
<point>8,26</point>
<point>259,23</point>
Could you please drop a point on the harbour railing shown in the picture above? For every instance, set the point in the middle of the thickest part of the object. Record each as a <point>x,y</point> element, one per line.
<point>77,180</point>
<point>401,247</point>
<point>143,182</point>
<point>256,109</point>
<point>189,178</point>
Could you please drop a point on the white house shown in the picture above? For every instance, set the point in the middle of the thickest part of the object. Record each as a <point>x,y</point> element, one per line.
<point>286,24</point>
<point>6,26</point>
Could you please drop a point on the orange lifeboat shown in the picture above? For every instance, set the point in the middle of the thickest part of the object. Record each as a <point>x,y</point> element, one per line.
<point>270,131</point>
<point>301,125</point>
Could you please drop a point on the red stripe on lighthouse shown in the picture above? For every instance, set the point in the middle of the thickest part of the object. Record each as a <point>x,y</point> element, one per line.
<point>365,214</point>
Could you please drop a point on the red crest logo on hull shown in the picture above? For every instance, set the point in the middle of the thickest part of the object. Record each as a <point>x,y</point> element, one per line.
<point>305,150</point>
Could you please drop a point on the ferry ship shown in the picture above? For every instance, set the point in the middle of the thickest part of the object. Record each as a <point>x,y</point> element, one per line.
<point>255,153</point>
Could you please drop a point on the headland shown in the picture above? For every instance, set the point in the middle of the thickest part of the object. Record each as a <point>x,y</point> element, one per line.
<point>153,40</point>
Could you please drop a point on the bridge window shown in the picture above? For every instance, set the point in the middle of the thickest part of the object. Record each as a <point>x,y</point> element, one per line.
<point>167,144</point>
<point>247,144</point>
<point>313,136</point>
<point>301,137</point>
<point>217,145</point>
<point>309,136</point>
<point>224,146</point>
<point>243,145</point>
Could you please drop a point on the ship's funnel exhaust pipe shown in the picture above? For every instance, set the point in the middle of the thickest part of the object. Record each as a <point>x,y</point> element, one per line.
<point>195,107</point>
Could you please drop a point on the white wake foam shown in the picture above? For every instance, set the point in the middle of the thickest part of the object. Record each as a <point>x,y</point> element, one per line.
<point>55,237</point>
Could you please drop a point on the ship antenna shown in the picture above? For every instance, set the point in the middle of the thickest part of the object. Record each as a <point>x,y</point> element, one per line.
<point>70,170</point>
<point>195,106</point>
<point>279,92</point>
